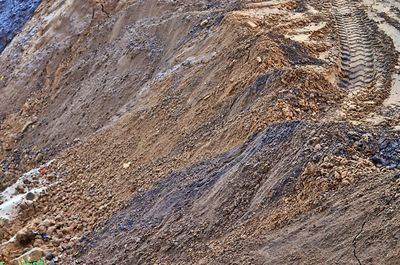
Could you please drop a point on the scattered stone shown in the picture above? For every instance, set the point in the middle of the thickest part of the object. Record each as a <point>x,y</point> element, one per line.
<point>24,205</point>
<point>20,189</point>
<point>366,137</point>
<point>126,165</point>
<point>251,24</point>
<point>259,60</point>
<point>27,181</point>
<point>45,237</point>
<point>30,196</point>
<point>51,177</point>
<point>42,170</point>
<point>204,23</point>
<point>25,237</point>
<point>48,223</point>
<point>49,256</point>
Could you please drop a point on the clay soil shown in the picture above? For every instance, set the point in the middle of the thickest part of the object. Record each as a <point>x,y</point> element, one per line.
<point>203,132</point>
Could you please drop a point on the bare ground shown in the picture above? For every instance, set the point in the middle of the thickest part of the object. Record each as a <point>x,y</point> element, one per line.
<point>207,132</point>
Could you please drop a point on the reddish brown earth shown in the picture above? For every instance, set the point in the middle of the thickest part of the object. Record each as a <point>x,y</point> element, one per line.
<point>202,132</point>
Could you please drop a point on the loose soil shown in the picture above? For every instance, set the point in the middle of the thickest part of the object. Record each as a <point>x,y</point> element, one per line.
<point>202,132</point>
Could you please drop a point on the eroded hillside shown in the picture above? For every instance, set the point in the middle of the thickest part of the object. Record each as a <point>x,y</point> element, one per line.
<point>202,132</point>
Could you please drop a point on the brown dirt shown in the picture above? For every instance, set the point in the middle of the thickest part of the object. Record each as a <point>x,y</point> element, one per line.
<point>194,132</point>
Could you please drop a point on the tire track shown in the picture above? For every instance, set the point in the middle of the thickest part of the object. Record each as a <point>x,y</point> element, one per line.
<point>367,58</point>
<point>359,64</point>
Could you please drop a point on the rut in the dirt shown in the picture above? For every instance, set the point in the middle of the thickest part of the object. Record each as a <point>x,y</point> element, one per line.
<point>361,66</point>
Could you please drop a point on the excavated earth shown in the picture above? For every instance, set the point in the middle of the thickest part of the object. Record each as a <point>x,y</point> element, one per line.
<point>200,132</point>
<point>14,14</point>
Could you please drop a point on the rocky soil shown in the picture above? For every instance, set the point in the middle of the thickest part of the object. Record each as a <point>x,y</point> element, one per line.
<point>201,132</point>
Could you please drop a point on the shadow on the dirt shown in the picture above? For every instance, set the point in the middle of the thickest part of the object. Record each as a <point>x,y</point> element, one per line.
<point>13,15</point>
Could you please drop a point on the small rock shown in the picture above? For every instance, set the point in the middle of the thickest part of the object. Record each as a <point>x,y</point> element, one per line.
<point>42,170</point>
<point>3,222</point>
<point>39,158</point>
<point>49,256</point>
<point>318,147</point>
<point>51,177</point>
<point>56,242</point>
<point>38,243</point>
<point>24,237</point>
<point>251,24</point>
<point>26,181</point>
<point>45,237</point>
<point>30,196</point>
<point>366,137</point>
<point>64,246</point>
<point>51,230</point>
<point>20,189</point>
<point>48,223</point>
<point>259,60</point>
<point>126,165</point>
<point>41,228</point>
<point>24,206</point>
<point>3,233</point>
<point>204,23</point>
<point>346,182</point>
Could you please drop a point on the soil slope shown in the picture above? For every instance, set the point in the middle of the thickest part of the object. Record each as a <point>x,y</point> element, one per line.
<point>13,15</point>
<point>202,132</point>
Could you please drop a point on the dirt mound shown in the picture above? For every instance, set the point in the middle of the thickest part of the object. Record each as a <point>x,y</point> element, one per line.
<point>228,209</point>
<point>198,132</point>
<point>104,65</point>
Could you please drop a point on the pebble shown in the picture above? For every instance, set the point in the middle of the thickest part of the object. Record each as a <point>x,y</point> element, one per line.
<point>30,196</point>
<point>49,256</point>
<point>24,237</point>
<point>251,24</point>
<point>126,165</point>
<point>20,189</point>
<point>204,23</point>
